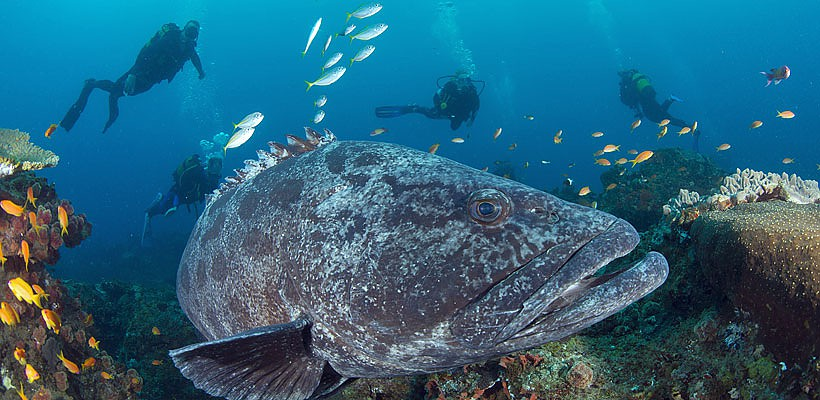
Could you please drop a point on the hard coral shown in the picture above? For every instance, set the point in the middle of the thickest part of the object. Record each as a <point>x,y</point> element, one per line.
<point>580,375</point>
<point>17,153</point>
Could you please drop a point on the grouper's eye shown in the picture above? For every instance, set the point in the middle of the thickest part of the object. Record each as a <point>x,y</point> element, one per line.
<point>489,206</point>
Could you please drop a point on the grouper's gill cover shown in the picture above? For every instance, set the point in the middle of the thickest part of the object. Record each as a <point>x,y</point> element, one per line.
<point>330,260</point>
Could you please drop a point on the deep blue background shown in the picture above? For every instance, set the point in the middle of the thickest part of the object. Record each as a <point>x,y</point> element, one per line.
<point>556,60</point>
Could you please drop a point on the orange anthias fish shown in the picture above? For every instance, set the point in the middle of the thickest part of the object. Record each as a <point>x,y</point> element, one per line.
<point>497,133</point>
<point>32,219</point>
<point>62,215</point>
<point>584,191</point>
<point>31,373</point>
<point>512,146</point>
<point>50,130</point>
<point>156,362</point>
<point>611,186</point>
<point>457,140</point>
<point>777,74</point>
<point>621,160</point>
<point>645,155</point>
<point>663,123</point>
<point>94,343</point>
<point>611,147</point>
<point>9,317</point>
<point>105,375</point>
<point>24,251</point>
<point>788,160</point>
<point>756,124</point>
<point>603,162</point>
<point>21,392</point>
<point>684,130</point>
<point>89,363</point>
<point>70,366</point>
<point>663,131</point>
<point>89,319</point>
<point>780,114</point>
<point>11,208</point>
<point>52,320</point>
<point>30,196</point>
<point>155,331</point>
<point>597,134</point>
<point>20,355</point>
<point>433,149</point>
<point>635,125</point>
<point>725,146</point>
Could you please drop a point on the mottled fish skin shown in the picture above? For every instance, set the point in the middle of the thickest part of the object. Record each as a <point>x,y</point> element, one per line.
<point>374,244</point>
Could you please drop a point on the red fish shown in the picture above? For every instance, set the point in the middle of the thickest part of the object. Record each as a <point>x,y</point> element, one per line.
<point>777,75</point>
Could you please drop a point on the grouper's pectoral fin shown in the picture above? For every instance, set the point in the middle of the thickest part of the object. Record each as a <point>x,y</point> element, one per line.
<point>271,362</point>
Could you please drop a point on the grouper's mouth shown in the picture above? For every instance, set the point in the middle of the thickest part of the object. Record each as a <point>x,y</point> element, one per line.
<point>554,294</point>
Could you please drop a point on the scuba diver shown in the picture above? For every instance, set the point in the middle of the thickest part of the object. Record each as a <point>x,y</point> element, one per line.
<point>160,59</point>
<point>457,100</point>
<point>636,91</point>
<point>192,181</point>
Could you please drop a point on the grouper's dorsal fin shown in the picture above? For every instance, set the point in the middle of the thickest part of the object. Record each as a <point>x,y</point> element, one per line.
<point>278,152</point>
<point>271,362</point>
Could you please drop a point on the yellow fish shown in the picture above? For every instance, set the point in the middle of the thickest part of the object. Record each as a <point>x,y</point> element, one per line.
<point>52,320</point>
<point>155,331</point>
<point>89,363</point>
<point>9,316</point>
<point>62,215</point>
<point>70,366</point>
<point>684,130</point>
<point>3,258</point>
<point>21,392</point>
<point>645,155</point>
<point>24,251</point>
<point>30,196</point>
<point>785,114</point>
<point>11,208</point>
<point>756,124</point>
<point>20,355</point>
<point>39,295</point>
<point>663,123</point>
<point>105,375</point>
<point>94,343</point>
<point>694,126</point>
<point>21,290</point>
<point>31,373</point>
<point>433,149</point>
<point>663,131</point>
<point>584,191</point>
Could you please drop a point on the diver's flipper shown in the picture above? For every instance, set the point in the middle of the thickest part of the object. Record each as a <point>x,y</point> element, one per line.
<point>113,110</point>
<point>271,362</point>
<point>394,111</point>
<point>146,229</point>
<point>77,108</point>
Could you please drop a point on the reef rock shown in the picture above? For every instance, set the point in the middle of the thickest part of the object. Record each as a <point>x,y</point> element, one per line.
<point>765,257</point>
<point>17,153</point>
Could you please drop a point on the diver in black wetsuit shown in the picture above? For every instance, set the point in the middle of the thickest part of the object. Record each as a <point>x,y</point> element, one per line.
<point>458,101</point>
<point>160,59</point>
<point>636,91</point>
<point>192,181</point>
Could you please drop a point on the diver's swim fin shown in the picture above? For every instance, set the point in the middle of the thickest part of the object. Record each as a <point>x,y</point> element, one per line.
<point>394,111</point>
<point>77,108</point>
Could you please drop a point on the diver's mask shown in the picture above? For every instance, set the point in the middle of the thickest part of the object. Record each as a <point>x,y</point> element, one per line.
<point>191,31</point>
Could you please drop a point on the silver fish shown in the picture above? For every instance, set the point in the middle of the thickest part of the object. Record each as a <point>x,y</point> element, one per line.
<point>250,121</point>
<point>321,101</point>
<point>320,115</point>
<point>332,60</point>
<point>347,30</point>
<point>327,44</point>
<point>312,36</point>
<point>363,53</point>
<point>370,32</point>
<point>365,11</point>
<point>239,138</point>
<point>329,260</point>
<point>328,78</point>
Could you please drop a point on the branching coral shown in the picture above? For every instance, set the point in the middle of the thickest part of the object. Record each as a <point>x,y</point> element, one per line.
<point>17,153</point>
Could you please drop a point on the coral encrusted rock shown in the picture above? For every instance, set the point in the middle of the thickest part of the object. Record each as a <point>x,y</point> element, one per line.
<point>17,153</point>
<point>765,257</point>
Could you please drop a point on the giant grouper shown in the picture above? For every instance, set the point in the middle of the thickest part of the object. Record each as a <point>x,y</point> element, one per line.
<point>326,261</point>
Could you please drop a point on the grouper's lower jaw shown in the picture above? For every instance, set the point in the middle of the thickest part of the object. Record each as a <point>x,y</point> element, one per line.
<point>591,302</point>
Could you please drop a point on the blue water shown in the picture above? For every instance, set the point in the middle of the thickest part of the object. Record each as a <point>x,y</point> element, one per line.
<point>554,60</point>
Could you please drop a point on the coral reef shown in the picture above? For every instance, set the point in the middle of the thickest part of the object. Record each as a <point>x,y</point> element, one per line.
<point>746,186</point>
<point>765,257</point>
<point>125,315</point>
<point>38,338</point>
<point>17,153</point>
<point>43,234</point>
